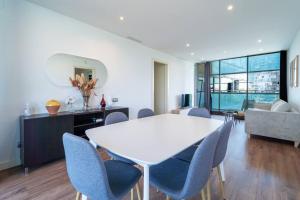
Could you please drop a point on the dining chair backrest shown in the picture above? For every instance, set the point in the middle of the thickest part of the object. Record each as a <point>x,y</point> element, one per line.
<point>115,117</point>
<point>200,166</point>
<point>145,112</point>
<point>222,143</point>
<point>85,168</point>
<point>199,112</point>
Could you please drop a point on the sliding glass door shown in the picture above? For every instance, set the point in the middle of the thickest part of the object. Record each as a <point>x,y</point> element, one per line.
<point>235,82</point>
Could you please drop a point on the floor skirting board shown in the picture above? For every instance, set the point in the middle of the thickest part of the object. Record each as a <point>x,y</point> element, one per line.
<point>8,164</point>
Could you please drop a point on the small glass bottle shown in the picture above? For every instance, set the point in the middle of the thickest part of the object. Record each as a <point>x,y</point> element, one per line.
<point>102,102</point>
<point>27,110</point>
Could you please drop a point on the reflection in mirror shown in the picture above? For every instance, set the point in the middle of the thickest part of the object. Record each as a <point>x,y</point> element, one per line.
<point>62,66</point>
<point>88,73</point>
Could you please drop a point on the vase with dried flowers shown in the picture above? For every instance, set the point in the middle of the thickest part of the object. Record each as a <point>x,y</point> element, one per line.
<point>85,87</point>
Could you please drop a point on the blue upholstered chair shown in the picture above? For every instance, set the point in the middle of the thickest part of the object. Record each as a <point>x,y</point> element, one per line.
<point>181,180</point>
<point>221,149</point>
<point>145,112</point>
<point>199,112</point>
<point>94,178</point>
<point>189,152</point>
<point>220,153</point>
<point>113,118</point>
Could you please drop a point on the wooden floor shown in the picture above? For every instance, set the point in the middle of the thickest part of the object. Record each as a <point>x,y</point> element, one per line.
<point>256,169</point>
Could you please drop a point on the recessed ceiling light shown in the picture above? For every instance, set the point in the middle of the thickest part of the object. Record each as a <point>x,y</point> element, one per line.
<point>121,18</point>
<point>192,54</point>
<point>259,41</point>
<point>230,7</point>
<point>187,45</point>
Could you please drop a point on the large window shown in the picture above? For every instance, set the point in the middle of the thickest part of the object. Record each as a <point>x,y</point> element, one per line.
<point>236,81</point>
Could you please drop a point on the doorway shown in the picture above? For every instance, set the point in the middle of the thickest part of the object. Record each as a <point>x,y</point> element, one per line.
<point>160,88</point>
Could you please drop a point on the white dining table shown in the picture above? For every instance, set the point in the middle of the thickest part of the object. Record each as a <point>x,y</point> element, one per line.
<point>152,140</point>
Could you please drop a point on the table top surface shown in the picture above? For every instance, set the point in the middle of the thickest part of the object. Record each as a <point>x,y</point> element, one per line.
<point>151,140</point>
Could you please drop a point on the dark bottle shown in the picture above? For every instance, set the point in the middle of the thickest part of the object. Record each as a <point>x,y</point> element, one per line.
<point>102,102</point>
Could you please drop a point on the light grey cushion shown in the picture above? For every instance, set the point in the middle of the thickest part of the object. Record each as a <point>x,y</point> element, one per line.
<point>281,106</point>
<point>275,104</point>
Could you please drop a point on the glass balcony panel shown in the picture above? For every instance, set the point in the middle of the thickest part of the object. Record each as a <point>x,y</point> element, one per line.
<point>215,101</point>
<point>263,98</point>
<point>232,101</point>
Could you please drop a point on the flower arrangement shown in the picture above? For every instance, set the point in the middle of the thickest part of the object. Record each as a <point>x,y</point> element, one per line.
<point>85,87</point>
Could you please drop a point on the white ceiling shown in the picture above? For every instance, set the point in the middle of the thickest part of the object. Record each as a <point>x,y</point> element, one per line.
<point>212,31</point>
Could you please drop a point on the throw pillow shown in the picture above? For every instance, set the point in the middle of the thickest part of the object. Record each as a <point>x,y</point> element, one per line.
<point>282,106</point>
<point>275,104</point>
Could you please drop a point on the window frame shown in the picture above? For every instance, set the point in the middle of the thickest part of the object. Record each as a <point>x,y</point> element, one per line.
<point>219,92</point>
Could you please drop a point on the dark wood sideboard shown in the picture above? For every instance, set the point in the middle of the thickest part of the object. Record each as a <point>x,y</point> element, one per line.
<point>41,134</point>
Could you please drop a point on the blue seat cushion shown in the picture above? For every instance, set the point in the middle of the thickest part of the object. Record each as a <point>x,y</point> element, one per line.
<point>169,176</point>
<point>116,157</point>
<point>121,177</point>
<point>187,154</point>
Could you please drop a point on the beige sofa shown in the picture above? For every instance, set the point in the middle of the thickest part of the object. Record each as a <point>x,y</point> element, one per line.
<point>271,123</point>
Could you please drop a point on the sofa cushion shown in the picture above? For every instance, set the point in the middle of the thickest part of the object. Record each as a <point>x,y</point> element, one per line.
<point>281,106</point>
<point>275,104</point>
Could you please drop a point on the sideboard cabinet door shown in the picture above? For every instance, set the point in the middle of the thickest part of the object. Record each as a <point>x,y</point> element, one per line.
<point>41,139</point>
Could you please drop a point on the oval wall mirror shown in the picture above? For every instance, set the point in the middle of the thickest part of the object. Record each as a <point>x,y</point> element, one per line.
<point>60,67</point>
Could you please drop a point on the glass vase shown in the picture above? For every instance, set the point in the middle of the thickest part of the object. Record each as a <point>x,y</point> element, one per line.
<point>86,102</point>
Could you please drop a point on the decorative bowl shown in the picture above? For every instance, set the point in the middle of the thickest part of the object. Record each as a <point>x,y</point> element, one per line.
<point>52,107</point>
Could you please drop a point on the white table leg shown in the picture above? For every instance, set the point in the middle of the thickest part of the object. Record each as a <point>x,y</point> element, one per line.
<point>222,171</point>
<point>146,182</point>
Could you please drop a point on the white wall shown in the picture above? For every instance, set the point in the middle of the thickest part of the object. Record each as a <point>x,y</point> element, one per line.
<point>294,93</point>
<point>31,34</point>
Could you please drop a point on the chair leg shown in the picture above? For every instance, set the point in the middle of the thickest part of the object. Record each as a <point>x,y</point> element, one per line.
<point>131,194</point>
<point>203,194</point>
<point>168,198</point>
<point>138,191</point>
<point>221,182</point>
<point>78,196</point>
<point>208,189</point>
<point>221,166</point>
